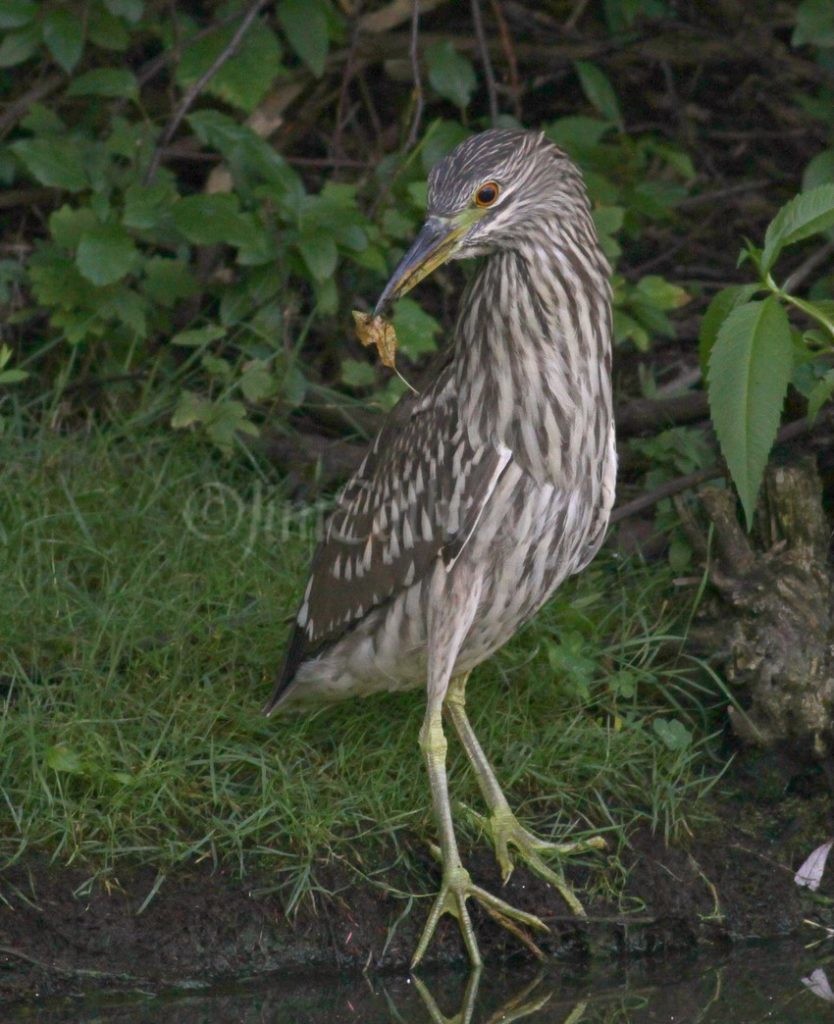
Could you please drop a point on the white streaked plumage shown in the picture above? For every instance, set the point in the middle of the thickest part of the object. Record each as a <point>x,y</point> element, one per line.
<point>502,470</point>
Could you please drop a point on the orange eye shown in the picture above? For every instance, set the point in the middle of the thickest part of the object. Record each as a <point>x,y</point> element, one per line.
<point>487,194</point>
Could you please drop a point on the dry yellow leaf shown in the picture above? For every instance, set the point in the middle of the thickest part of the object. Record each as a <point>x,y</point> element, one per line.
<point>376,330</point>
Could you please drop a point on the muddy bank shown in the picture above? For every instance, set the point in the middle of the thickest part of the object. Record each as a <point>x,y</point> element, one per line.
<point>731,881</point>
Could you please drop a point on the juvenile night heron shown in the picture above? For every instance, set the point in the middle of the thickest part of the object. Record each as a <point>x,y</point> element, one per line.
<point>484,492</point>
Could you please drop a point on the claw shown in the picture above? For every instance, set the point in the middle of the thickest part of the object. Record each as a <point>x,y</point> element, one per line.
<point>456,888</point>
<point>505,830</point>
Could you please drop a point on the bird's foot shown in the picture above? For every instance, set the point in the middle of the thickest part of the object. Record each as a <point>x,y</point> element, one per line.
<point>505,831</point>
<point>457,887</point>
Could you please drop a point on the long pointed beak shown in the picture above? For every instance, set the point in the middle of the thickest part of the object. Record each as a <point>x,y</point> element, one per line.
<point>434,245</point>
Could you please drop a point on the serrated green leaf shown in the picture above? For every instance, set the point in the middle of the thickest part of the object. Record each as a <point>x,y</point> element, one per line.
<point>749,370</point>
<point>451,75</point>
<point>716,313</point>
<point>116,82</point>
<point>14,13</point>
<point>305,25</point>
<point>18,47</point>
<point>54,161</point>
<point>105,254</point>
<point>63,33</point>
<point>598,90</point>
<point>319,252</point>
<point>805,215</point>
<point>147,205</point>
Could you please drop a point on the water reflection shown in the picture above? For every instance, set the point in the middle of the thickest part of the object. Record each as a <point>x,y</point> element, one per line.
<point>780,985</point>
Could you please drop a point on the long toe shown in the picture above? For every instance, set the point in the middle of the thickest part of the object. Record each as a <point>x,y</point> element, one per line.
<point>456,889</point>
<point>506,831</point>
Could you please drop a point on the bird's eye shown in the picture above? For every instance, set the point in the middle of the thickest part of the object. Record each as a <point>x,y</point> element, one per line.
<point>487,194</point>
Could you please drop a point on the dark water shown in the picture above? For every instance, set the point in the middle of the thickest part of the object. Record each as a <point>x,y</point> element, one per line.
<point>773,984</point>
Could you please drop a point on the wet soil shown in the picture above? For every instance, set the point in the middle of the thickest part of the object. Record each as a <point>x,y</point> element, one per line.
<point>730,881</point>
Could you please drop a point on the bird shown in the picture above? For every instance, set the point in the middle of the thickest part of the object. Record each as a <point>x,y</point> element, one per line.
<point>480,494</point>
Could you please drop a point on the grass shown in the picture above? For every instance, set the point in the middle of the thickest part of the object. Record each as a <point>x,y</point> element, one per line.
<point>145,591</point>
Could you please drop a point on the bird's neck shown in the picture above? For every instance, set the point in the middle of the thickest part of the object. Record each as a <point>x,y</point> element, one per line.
<point>533,355</point>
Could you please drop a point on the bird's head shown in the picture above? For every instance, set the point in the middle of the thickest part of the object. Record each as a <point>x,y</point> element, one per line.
<point>482,197</point>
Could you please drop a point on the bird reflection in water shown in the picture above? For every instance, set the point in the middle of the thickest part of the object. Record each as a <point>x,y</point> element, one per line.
<point>522,1005</point>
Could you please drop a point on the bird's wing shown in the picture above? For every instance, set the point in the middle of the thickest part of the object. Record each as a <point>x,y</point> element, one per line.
<point>417,496</point>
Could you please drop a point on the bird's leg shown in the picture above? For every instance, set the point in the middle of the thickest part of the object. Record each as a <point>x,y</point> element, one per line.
<point>502,826</point>
<point>446,634</point>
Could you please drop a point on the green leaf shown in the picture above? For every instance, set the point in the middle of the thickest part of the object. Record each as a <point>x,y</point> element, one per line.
<point>199,336</point>
<point>673,733</point>
<point>67,225</point>
<point>416,329</point>
<point>212,220</point>
<point>18,47</point>
<point>305,25</point>
<point>722,304</point>
<point>105,254</point>
<point>106,31</point>
<point>576,134</point>
<point>814,23</point>
<point>191,408</point>
<point>168,281</point>
<point>130,10</point>
<point>256,381</point>
<point>358,373</point>
<point>820,394</point>
<point>598,90</point>
<point>749,370</point>
<point>54,161</point>
<point>63,33</point>
<point>117,82</point>
<point>244,79</point>
<point>61,758</point>
<point>661,293</point>
<point>441,138</point>
<point>805,215</point>
<point>319,252</point>
<point>820,170</point>
<point>451,75</point>
<point>14,13</point>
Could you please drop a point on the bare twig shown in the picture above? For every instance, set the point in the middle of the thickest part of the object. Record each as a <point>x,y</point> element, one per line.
<point>419,100</point>
<point>684,483</point>
<point>483,51</point>
<point>808,266</point>
<point>20,107</point>
<point>509,55</point>
<point>197,87</point>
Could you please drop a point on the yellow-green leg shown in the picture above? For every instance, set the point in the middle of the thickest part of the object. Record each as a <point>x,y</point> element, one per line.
<point>456,886</point>
<point>502,826</point>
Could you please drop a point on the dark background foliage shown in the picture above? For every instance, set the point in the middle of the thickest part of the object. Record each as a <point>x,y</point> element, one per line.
<point>197,194</point>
